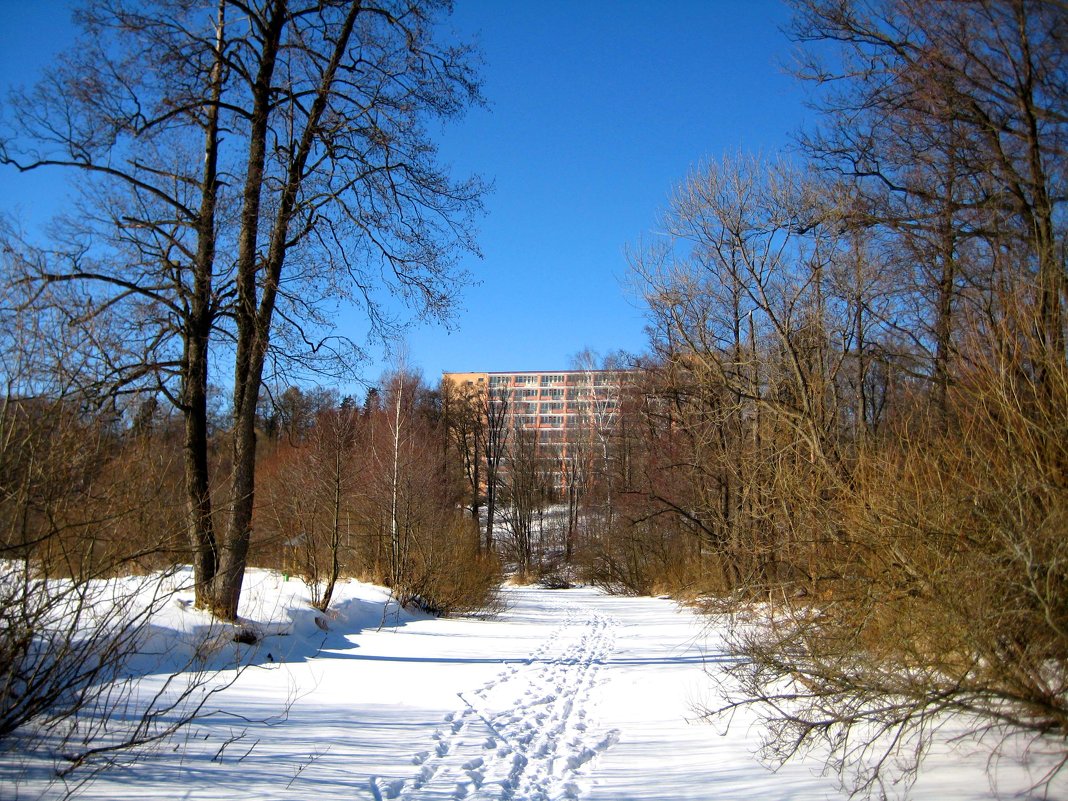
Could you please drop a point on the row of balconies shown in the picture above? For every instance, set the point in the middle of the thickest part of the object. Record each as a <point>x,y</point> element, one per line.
<point>514,394</point>
<point>557,407</point>
<point>557,379</point>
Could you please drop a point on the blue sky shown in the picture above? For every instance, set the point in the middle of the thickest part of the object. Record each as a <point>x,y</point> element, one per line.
<point>597,108</point>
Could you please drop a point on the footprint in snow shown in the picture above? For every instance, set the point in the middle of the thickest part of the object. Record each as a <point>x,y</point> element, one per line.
<point>423,776</point>
<point>393,789</point>
<point>609,740</point>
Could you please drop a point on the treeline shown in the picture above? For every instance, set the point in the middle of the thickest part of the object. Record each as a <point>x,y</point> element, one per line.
<point>368,490</point>
<point>88,493</point>
<point>878,457</point>
<point>347,489</point>
<point>543,495</point>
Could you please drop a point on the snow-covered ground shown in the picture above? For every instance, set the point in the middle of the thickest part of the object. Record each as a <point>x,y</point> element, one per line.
<point>567,694</point>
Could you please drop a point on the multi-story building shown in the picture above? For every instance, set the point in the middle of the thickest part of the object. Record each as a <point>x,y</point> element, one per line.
<point>563,409</point>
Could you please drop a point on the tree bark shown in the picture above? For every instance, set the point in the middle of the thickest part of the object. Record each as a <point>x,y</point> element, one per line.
<point>194,393</point>
<point>251,338</point>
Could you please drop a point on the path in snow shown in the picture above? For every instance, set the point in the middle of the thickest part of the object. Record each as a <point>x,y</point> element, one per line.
<point>525,733</point>
<point>566,695</point>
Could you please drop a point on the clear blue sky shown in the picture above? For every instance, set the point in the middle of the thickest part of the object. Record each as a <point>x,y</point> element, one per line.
<point>597,108</point>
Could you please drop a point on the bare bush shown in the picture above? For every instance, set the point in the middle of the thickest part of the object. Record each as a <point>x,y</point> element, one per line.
<point>75,699</point>
<point>86,499</point>
<point>949,604</point>
<point>450,575</point>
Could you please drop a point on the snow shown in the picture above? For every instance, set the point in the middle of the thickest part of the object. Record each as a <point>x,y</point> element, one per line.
<point>567,694</point>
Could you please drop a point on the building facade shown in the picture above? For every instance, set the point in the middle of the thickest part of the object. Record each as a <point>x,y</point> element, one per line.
<point>564,411</point>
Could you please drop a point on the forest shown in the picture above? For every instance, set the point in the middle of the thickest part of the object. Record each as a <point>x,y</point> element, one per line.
<point>848,433</point>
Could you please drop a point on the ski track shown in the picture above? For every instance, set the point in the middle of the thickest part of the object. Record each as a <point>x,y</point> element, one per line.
<point>526,734</point>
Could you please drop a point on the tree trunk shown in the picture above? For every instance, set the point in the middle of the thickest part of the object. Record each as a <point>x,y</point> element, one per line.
<point>395,572</point>
<point>201,530</point>
<point>254,320</point>
<point>251,341</point>
<point>335,532</point>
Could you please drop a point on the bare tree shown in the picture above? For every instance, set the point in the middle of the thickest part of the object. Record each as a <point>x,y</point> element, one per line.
<point>749,338</point>
<point>325,167</point>
<point>526,489</point>
<point>591,472</point>
<point>950,118</point>
<point>931,591</point>
<point>494,446</point>
<point>466,421</point>
<point>410,503</point>
<point>307,502</point>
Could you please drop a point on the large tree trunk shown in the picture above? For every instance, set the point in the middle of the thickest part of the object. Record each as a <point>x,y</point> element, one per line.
<point>233,554</point>
<point>201,530</point>
<point>254,319</point>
